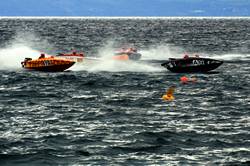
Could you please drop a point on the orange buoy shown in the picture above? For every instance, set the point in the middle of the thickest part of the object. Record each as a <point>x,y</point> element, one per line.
<point>184,79</point>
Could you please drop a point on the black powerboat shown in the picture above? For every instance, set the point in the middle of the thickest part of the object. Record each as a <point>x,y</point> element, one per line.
<point>191,64</point>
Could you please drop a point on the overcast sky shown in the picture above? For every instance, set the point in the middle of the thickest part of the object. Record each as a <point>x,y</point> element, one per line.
<point>125,8</point>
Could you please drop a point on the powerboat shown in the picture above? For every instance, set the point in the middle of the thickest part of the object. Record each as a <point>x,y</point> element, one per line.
<point>127,54</point>
<point>191,64</point>
<point>48,64</point>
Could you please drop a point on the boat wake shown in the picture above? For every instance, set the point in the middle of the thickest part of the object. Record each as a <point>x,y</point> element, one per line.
<point>164,52</point>
<point>232,57</point>
<point>117,66</point>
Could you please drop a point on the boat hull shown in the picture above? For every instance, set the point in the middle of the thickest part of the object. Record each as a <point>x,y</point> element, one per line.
<point>48,64</point>
<point>53,68</point>
<point>191,65</point>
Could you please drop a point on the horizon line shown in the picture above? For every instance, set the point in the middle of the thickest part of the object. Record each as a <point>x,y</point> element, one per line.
<point>125,17</point>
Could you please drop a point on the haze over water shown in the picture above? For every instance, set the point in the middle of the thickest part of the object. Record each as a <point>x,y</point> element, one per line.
<point>111,112</point>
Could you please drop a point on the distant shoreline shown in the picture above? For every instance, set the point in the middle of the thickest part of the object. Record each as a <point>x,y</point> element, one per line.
<point>121,17</point>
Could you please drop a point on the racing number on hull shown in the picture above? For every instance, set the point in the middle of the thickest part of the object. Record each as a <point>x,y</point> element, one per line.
<point>171,64</point>
<point>46,63</point>
<point>198,62</point>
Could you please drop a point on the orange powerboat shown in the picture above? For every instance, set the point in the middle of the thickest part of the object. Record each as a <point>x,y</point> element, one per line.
<point>49,64</point>
<point>127,54</point>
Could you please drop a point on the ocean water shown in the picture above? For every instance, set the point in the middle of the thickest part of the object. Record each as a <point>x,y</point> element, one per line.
<point>111,113</point>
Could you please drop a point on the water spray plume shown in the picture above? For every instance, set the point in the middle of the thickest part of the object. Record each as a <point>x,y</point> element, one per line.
<point>107,63</point>
<point>11,57</point>
<point>161,52</point>
<point>232,56</point>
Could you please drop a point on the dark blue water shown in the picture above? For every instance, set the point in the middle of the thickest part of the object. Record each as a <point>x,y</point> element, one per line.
<point>111,113</point>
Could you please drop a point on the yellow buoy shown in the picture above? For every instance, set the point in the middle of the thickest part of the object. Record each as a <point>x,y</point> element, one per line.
<point>169,94</point>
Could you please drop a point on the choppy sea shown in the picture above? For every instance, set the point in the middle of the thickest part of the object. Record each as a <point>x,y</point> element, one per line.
<point>111,113</point>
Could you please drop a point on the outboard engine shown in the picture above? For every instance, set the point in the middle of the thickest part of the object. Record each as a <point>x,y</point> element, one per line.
<point>25,60</point>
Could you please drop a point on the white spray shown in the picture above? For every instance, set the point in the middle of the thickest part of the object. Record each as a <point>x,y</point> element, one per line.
<point>20,48</point>
<point>106,63</point>
<point>11,57</point>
